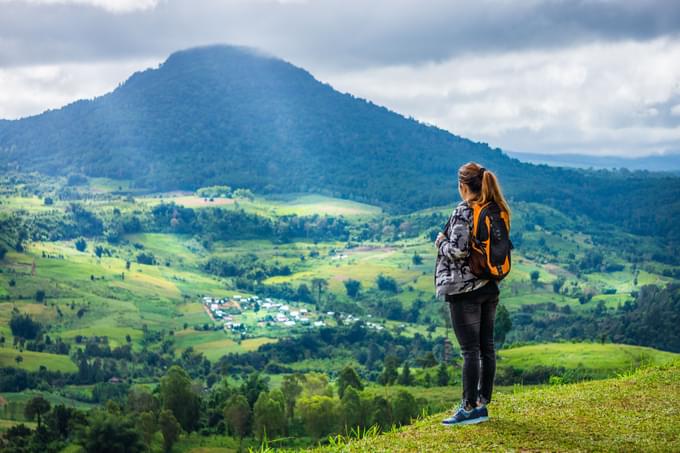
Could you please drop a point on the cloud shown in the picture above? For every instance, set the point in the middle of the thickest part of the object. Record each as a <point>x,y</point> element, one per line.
<point>590,76</point>
<point>32,89</point>
<point>333,33</point>
<point>586,99</point>
<point>114,6</point>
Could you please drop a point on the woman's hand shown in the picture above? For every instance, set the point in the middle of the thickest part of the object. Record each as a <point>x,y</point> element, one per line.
<point>440,238</point>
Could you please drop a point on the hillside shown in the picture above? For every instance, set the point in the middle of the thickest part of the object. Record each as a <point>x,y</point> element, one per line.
<point>636,412</point>
<point>228,115</point>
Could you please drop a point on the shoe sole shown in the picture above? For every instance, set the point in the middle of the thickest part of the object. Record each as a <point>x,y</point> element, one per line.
<point>473,421</point>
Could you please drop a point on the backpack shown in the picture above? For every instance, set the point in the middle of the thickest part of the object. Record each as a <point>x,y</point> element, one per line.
<point>490,243</point>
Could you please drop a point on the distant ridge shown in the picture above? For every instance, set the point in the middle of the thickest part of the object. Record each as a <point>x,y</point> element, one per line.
<point>664,163</point>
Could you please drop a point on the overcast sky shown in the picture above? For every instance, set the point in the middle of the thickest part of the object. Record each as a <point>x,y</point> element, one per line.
<point>595,77</point>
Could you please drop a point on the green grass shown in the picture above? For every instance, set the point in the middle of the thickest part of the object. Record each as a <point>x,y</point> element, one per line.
<point>636,412</point>
<point>33,360</point>
<point>308,204</point>
<point>7,424</point>
<point>278,205</point>
<point>604,359</point>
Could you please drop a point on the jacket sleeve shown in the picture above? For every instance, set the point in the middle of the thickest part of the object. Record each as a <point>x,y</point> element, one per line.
<point>456,246</point>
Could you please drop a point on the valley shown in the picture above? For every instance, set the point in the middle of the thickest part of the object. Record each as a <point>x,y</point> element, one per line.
<point>124,284</point>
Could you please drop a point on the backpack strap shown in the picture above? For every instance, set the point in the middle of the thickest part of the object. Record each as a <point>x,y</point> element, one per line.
<point>478,213</point>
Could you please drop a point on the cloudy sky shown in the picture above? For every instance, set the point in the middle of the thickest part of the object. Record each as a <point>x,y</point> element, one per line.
<point>592,77</point>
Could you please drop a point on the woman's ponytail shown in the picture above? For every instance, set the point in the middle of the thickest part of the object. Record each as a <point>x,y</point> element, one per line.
<point>484,184</point>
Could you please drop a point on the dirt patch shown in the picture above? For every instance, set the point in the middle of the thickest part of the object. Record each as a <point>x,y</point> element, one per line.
<point>556,270</point>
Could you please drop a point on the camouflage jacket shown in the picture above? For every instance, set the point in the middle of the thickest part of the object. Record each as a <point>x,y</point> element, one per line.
<point>452,268</point>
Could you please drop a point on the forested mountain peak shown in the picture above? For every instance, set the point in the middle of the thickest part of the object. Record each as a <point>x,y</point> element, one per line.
<point>232,115</point>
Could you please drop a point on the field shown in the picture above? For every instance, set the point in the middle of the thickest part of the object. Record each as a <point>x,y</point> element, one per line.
<point>604,359</point>
<point>118,302</point>
<point>32,361</point>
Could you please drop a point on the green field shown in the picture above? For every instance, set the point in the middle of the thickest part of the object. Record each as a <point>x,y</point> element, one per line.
<point>32,361</point>
<point>602,358</point>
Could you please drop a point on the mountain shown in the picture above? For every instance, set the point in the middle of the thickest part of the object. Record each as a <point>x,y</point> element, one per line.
<point>666,163</point>
<point>229,115</point>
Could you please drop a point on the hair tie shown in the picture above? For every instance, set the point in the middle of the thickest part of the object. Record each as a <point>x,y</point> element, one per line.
<point>481,171</point>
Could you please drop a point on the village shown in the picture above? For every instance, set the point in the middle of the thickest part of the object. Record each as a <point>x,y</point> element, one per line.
<point>232,311</point>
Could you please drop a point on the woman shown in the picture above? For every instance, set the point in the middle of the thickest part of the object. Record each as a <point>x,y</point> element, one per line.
<point>472,301</point>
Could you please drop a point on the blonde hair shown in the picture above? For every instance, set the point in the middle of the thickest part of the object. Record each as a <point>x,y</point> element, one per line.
<point>483,184</point>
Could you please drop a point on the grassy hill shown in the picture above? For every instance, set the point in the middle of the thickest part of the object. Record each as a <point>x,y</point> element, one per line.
<point>32,361</point>
<point>635,412</point>
<point>601,359</point>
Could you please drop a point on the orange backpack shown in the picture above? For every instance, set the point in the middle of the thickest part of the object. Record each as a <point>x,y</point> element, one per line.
<point>490,242</point>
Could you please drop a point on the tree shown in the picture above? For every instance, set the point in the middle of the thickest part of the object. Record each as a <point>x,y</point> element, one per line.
<point>81,244</point>
<point>147,258</point>
<point>428,360</point>
<point>237,415</point>
<point>170,429</point>
<point>40,295</point>
<point>389,374</point>
<point>503,324</point>
<point>316,384</point>
<point>351,410</point>
<point>98,251</point>
<point>387,283</point>
<point>348,377</point>
<point>291,389</point>
<point>148,425</point>
<point>62,421</point>
<point>381,412</point>
<point>405,377</point>
<point>253,386</point>
<point>534,277</point>
<point>36,407</point>
<point>23,326</point>
<point>319,415</point>
<point>443,377</point>
<point>404,408</point>
<point>109,433</point>
<point>269,415</point>
<point>352,287</point>
<point>318,285</point>
<point>558,283</point>
<point>179,398</point>
<point>417,259</point>
<point>244,194</point>
<point>304,294</point>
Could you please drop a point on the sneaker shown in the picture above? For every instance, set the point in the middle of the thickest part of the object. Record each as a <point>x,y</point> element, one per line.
<point>482,413</point>
<point>463,417</point>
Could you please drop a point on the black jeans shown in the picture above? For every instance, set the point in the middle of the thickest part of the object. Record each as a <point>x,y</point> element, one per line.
<point>473,315</point>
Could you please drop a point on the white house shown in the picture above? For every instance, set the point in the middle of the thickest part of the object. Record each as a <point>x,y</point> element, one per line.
<point>281,318</point>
